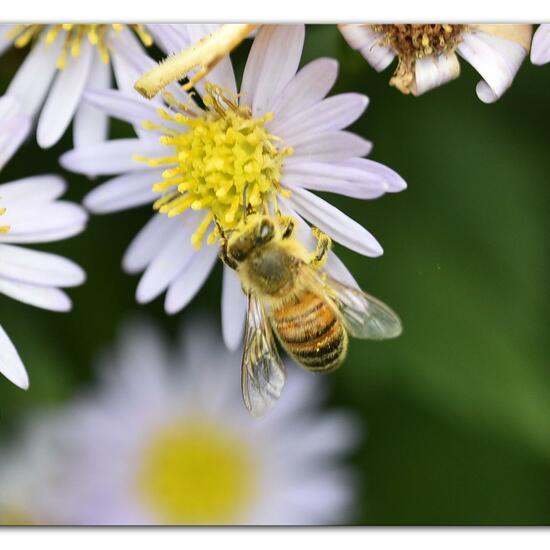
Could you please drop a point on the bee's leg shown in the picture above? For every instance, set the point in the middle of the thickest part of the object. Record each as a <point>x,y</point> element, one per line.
<point>224,255</point>
<point>324,242</point>
<point>287,226</point>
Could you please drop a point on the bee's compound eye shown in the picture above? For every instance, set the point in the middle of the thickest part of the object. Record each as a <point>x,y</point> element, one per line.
<point>266,230</point>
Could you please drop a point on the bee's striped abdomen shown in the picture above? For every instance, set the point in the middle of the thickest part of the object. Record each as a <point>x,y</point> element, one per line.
<point>311,332</point>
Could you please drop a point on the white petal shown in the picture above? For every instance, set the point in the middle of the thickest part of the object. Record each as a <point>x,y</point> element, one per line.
<point>359,181</point>
<point>15,127</point>
<point>176,252</point>
<point>123,192</point>
<point>431,72</point>
<point>122,105</point>
<point>334,266</point>
<point>11,365</point>
<point>334,223</point>
<point>32,81</point>
<point>333,113</point>
<point>234,304</point>
<point>40,268</point>
<point>270,42</point>
<point>190,281</point>
<point>280,60</point>
<point>44,297</point>
<point>112,157</point>
<point>148,242</point>
<point>5,41</point>
<point>90,125</point>
<point>64,97</point>
<point>540,48</point>
<point>364,39</point>
<point>310,85</point>
<point>496,59</point>
<point>171,38</point>
<point>38,220</point>
<point>44,188</point>
<point>328,146</point>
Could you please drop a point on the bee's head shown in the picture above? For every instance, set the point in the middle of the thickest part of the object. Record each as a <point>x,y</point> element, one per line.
<point>258,231</point>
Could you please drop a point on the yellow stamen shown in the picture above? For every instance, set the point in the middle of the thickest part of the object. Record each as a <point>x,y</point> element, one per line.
<point>415,41</point>
<point>96,34</point>
<point>4,228</point>
<point>225,163</point>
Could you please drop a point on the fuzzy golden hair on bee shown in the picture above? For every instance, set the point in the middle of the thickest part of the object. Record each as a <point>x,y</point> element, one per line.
<point>311,314</point>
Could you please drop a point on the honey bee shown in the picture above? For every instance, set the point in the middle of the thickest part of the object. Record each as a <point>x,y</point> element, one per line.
<point>311,313</point>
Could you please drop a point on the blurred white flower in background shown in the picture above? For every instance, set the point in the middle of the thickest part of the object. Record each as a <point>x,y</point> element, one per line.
<point>165,439</point>
<point>30,212</point>
<point>66,59</point>
<point>14,128</point>
<point>540,49</point>
<point>427,53</point>
<point>264,148</point>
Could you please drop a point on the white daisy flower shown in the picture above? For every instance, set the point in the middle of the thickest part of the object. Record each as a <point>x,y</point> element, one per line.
<point>66,59</point>
<point>540,49</point>
<point>264,148</point>
<point>427,57</point>
<point>165,440</point>
<point>30,212</point>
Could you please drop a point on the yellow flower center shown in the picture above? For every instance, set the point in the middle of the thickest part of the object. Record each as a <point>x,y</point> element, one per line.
<point>193,473</point>
<point>225,162</point>
<point>74,34</point>
<point>413,42</point>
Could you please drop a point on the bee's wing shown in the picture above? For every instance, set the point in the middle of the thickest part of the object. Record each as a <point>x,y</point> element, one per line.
<point>263,373</point>
<point>363,315</point>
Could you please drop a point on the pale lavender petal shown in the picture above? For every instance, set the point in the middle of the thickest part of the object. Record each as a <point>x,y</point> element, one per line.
<point>334,223</point>
<point>42,188</point>
<point>328,146</point>
<point>124,192</point>
<point>32,81</point>
<point>360,37</point>
<point>15,127</point>
<point>190,281</point>
<point>496,59</point>
<point>148,242</point>
<point>174,255</point>
<point>11,365</point>
<point>112,157</point>
<point>540,48</point>
<point>64,97</point>
<point>234,304</point>
<point>90,125</point>
<point>279,65</point>
<point>334,113</point>
<point>310,85</point>
<point>39,268</point>
<point>44,297</point>
<point>431,71</point>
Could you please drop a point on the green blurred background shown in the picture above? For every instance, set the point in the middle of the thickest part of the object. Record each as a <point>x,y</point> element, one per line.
<point>457,411</point>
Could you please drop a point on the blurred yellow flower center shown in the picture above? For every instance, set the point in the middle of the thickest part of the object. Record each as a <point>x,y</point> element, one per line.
<point>9,516</point>
<point>3,228</point>
<point>74,34</point>
<point>196,473</point>
<point>224,161</point>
